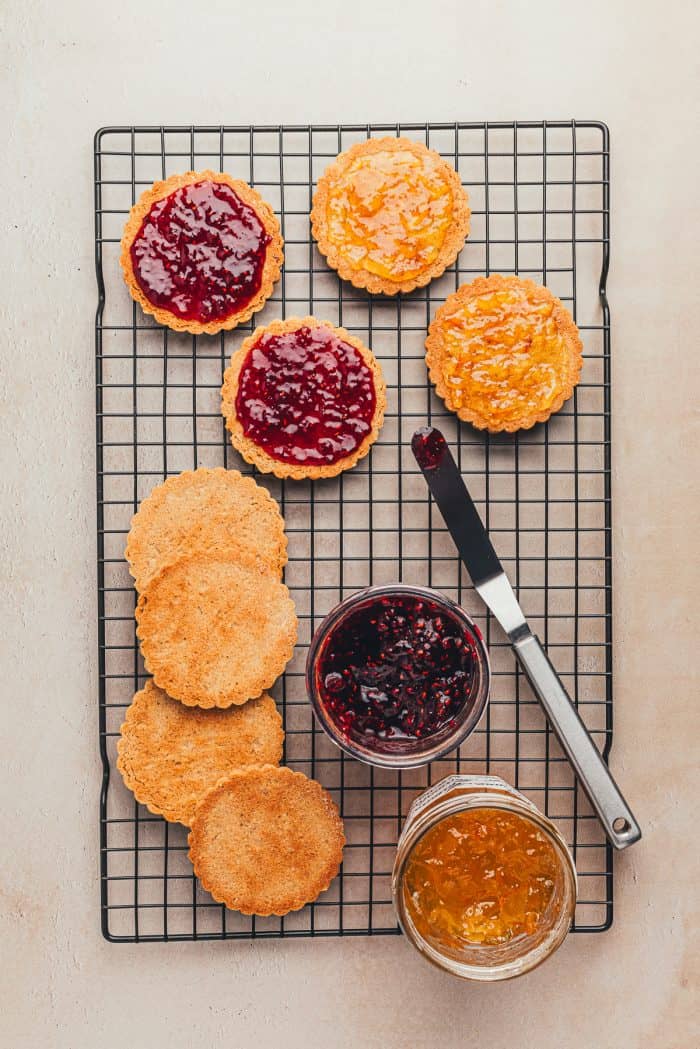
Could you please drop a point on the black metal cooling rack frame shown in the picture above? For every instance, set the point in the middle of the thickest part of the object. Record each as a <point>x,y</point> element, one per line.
<point>540,207</point>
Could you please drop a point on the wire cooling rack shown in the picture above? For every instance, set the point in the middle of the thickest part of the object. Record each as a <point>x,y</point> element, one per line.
<point>540,207</point>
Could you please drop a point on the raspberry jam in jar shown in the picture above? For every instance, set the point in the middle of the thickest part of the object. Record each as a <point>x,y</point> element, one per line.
<point>398,675</point>
<point>483,884</point>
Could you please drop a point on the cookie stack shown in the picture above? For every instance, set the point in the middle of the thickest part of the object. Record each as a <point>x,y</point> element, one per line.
<point>201,743</point>
<point>216,624</point>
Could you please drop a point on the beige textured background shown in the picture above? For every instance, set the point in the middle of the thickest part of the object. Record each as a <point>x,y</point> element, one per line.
<point>67,69</point>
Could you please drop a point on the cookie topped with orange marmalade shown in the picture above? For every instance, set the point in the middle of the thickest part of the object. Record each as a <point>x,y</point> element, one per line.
<point>503,353</point>
<point>390,215</point>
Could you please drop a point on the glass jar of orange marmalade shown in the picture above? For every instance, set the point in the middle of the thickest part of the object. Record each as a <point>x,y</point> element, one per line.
<point>483,884</point>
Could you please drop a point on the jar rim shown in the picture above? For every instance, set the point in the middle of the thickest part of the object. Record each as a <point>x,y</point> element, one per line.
<point>422,754</point>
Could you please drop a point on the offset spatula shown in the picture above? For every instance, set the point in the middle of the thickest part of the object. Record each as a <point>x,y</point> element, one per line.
<point>491,583</point>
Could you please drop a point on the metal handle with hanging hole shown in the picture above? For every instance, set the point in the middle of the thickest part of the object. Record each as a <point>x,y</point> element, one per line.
<point>604,795</point>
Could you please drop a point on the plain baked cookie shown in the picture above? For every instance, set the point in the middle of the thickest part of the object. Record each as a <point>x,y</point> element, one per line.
<point>266,841</point>
<point>390,215</point>
<point>503,353</point>
<point>171,755</point>
<point>303,399</point>
<point>215,632</point>
<point>205,510</point>
<point>201,252</point>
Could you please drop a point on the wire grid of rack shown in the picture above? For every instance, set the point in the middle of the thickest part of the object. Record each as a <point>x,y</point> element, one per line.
<point>539,194</point>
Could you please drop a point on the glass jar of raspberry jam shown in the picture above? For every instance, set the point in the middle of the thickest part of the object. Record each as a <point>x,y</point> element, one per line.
<point>483,883</point>
<point>398,675</point>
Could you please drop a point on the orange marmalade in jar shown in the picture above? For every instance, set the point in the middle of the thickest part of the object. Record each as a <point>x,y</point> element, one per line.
<point>483,884</point>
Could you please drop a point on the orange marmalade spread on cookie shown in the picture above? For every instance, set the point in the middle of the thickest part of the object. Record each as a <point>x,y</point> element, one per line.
<point>503,355</point>
<point>483,876</point>
<point>388,213</point>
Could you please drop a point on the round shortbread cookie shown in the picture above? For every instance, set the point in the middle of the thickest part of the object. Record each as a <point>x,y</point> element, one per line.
<point>253,452</point>
<point>503,353</point>
<point>390,215</point>
<point>196,250</point>
<point>171,755</point>
<point>215,632</point>
<point>205,510</point>
<point>266,840</point>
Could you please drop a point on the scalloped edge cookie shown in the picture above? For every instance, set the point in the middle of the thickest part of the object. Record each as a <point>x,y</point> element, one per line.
<point>274,254</point>
<point>565,325</point>
<point>162,744</point>
<point>215,631</point>
<point>252,452</point>
<point>271,800</point>
<point>455,235</point>
<point>164,519</point>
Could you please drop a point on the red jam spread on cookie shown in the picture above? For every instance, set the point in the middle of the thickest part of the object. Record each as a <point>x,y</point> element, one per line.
<point>399,667</point>
<point>200,252</point>
<point>306,397</point>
